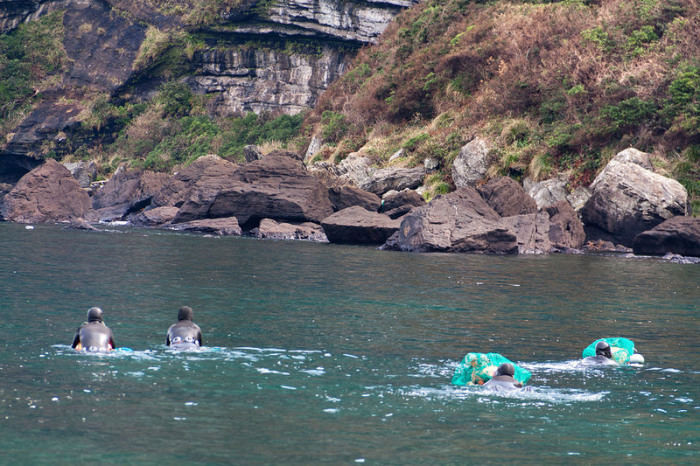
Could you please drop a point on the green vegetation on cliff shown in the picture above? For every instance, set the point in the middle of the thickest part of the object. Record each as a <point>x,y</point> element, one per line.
<point>555,87</point>
<point>31,60</point>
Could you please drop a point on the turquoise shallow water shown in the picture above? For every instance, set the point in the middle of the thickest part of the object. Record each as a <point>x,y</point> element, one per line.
<point>333,354</point>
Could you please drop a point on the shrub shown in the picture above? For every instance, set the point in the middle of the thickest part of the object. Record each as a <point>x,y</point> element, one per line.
<point>334,126</point>
<point>175,99</point>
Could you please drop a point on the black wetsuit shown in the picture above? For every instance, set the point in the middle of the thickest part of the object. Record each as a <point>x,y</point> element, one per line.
<point>503,382</point>
<point>599,360</point>
<point>94,336</point>
<point>185,334</point>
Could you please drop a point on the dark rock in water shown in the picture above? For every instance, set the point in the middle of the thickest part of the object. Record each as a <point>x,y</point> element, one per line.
<point>629,199</point>
<point>601,246</point>
<point>154,217</point>
<point>47,194</point>
<point>565,229</point>
<point>678,259</point>
<point>457,222</point>
<point>251,153</point>
<point>126,192</point>
<point>211,226</point>
<point>356,225</point>
<point>274,187</point>
<point>678,235</point>
<point>307,231</point>
<point>343,197</point>
<point>210,173</point>
<point>79,224</point>
<point>531,231</point>
<point>507,197</point>
<point>395,199</point>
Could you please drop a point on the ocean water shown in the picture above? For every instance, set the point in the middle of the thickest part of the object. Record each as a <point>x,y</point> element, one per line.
<point>326,354</point>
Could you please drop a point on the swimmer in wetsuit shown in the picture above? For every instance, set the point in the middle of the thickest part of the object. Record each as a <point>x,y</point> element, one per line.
<point>93,335</point>
<point>185,334</point>
<point>504,380</point>
<point>603,356</point>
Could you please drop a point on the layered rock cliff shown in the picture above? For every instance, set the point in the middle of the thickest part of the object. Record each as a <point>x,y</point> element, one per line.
<point>253,56</point>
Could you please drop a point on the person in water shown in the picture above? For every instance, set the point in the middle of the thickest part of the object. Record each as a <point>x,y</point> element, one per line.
<point>184,334</point>
<point>504,380</point>
<point>93,335</point>
<point>603,356</point>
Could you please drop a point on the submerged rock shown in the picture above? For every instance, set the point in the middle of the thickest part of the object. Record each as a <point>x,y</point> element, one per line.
<point>307,231</point>
<point>211,226</point>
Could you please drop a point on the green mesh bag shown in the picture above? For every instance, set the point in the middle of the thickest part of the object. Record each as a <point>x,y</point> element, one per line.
<point>479,368</point>
<point>622,349</point>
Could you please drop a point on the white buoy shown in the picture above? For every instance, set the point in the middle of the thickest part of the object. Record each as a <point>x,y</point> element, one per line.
<point>29,227</point>
<point>636,358</point>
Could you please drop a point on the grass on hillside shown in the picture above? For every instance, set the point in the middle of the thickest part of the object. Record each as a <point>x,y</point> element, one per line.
<point>554,86</point>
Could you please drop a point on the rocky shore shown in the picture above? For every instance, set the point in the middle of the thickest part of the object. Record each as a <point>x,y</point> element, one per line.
<point>628,208</point>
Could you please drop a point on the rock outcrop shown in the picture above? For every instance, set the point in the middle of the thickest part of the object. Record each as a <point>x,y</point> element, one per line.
<point>507,197</point>
<point>346,196</point>
<point>208,173</point>
<point>276,186</point>
<point>47,194</point>
<point>356,225</point>
<point>126,192</point>
<point>565,229</point>
<point>629,199</point>
<point>678,235</point>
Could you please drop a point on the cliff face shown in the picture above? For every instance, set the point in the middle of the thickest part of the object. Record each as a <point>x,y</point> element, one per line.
<point>277,55</point>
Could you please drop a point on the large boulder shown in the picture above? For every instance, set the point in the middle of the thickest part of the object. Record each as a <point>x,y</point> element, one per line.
<point>84,172</point>
<point>677,235</point>
<point>346,196</point>
<point>547,192</point>
<point>356,225</point>
<point>47,194</point>
<point>457,222</point>
<point>531,231</point>
<point>507,197</point>
<point>276,186</point>
<point>307,231</point>
<point>629,199</point>
<point>126,192</point>
<point>398,203</point>
<point>565,229</point>
<point>472,163</point>
<point>394,178</point>
<point>210,172</point>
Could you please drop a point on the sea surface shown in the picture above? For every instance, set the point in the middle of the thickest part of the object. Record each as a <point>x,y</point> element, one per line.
<point>327,354</point>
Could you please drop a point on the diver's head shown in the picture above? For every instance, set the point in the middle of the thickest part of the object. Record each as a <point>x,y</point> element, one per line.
<point>506,369</point>
<point>185,313</point>
<point>94,314</point>
<point>602,348</point>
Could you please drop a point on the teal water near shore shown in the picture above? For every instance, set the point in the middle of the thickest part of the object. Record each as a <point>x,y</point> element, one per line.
<point>320,353</point>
